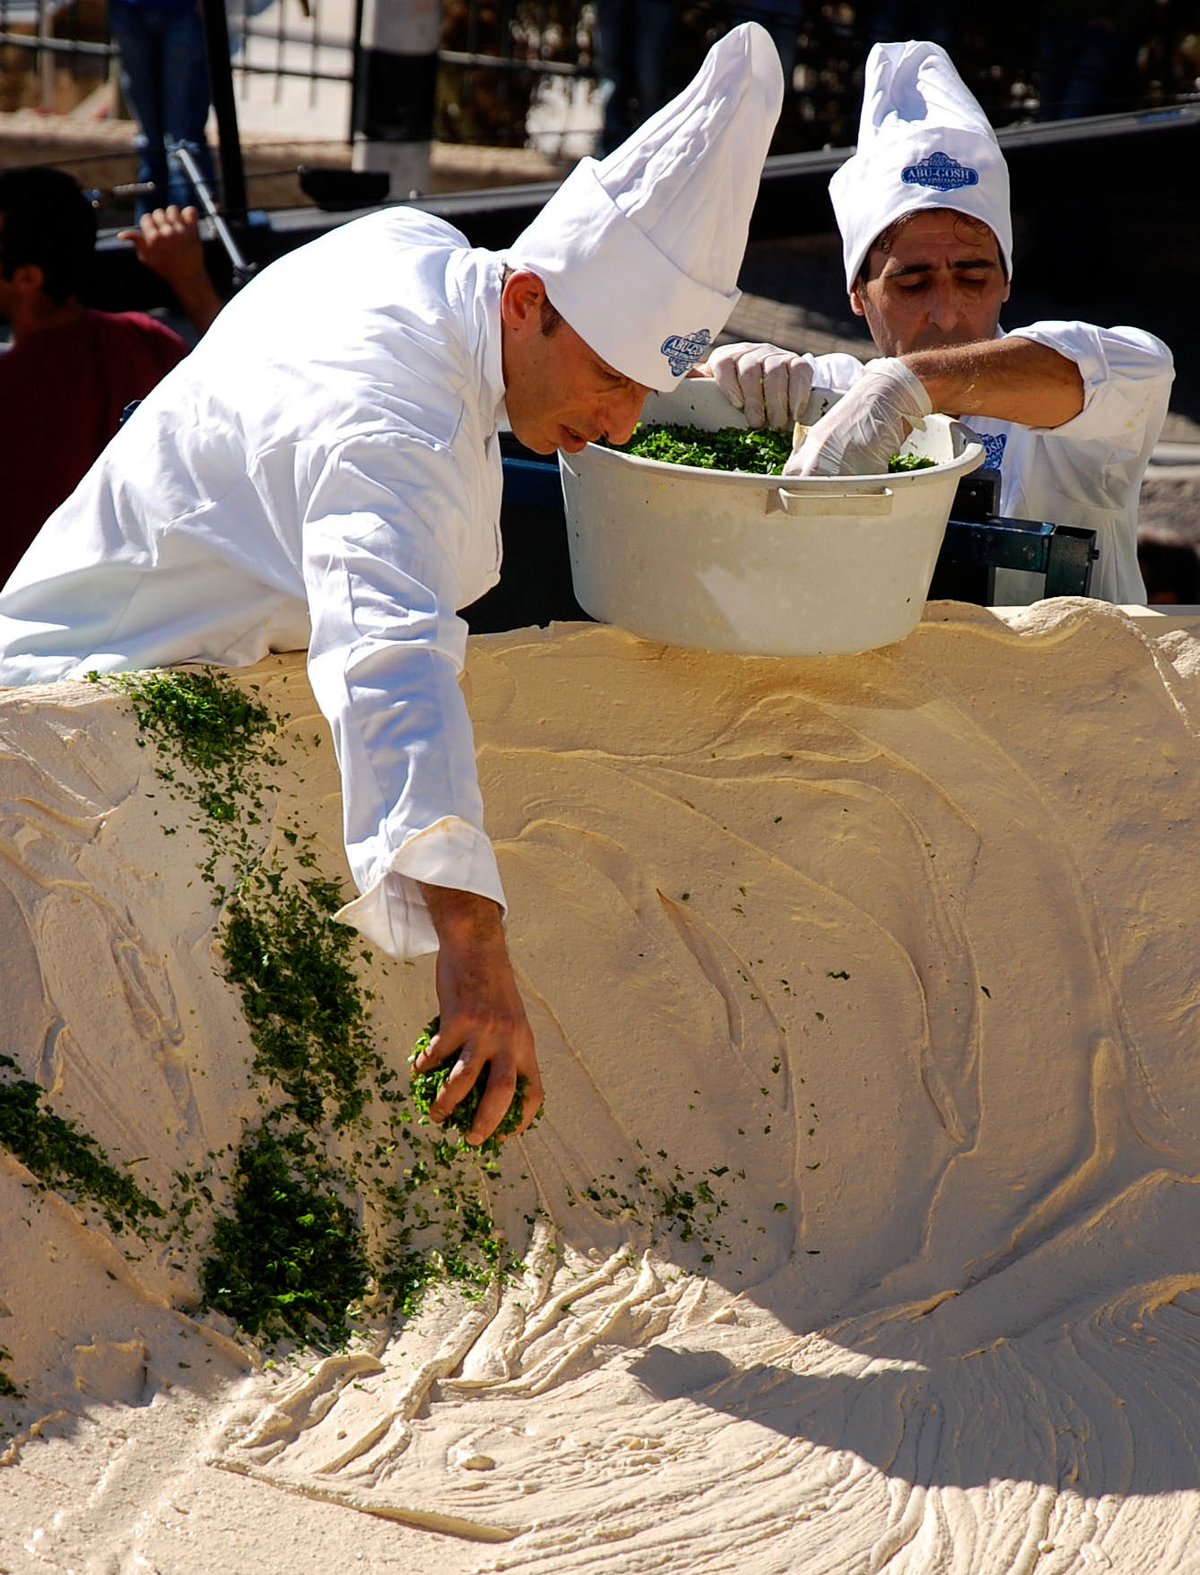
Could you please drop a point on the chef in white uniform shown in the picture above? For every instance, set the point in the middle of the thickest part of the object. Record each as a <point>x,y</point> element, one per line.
<point>1068,412</point>
<point>324,472</point>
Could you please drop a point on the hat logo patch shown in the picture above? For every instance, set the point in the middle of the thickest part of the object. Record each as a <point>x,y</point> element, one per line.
<point>994,445</point>
<point>684,350</point>
<point>941,172</point>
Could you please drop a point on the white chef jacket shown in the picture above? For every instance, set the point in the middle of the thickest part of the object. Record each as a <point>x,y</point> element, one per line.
<point>1087,472</point>
<point>323,470</point>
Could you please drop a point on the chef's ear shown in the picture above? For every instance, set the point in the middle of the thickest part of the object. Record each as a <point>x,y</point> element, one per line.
<point>522,299</point>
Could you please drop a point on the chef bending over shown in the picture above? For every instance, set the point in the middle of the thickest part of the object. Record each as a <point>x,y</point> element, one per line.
<point>1068,413</point>
<point>324,472</point>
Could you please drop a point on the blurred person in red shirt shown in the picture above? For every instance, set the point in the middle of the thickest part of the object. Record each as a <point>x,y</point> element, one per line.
<point>71,371</point>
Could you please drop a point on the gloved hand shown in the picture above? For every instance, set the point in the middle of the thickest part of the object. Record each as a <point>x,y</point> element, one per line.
<point>771,385</point>
<point>866,426</point>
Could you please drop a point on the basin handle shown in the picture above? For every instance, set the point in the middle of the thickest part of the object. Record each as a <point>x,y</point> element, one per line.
<point>829,504</point>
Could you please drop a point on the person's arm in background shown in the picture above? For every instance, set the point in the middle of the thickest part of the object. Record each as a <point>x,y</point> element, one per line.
<point>167,242</point>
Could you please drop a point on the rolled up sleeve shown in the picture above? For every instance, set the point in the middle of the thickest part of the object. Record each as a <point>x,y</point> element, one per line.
<point>382,543</point>
<point>1127,375</point>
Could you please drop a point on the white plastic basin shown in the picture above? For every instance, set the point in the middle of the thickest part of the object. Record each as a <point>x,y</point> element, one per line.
<point>722,561</point>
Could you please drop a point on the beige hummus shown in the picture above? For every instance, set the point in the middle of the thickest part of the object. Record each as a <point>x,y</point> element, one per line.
<point>894,955</point>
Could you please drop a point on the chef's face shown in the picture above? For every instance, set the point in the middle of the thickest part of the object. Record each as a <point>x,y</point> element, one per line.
<point>934,279</point>
<point>558,392</point>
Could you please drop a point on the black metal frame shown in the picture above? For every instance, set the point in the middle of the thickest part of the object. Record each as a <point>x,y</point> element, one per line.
<point>220,77</point>
<point>978,541</point>
<point>972,550</point>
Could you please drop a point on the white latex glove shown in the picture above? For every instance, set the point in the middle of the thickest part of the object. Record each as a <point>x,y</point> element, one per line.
<point>771,385</point>
<point>866,426</point>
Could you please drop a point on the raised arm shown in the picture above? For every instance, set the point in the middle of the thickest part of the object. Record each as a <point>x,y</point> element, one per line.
<point>167,242</point>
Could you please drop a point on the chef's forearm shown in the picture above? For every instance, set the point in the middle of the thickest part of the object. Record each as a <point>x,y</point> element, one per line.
<point>465,921</point>
<point>1010,379</point>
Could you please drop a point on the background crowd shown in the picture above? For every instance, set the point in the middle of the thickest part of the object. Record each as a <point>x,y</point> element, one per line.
<point>1031,60</point>
<point>1051,60</point>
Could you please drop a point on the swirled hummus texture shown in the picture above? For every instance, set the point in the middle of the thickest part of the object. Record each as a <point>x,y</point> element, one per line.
<point>859,1232</point>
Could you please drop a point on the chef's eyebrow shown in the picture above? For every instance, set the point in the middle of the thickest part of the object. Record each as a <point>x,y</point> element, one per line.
<point>611,371</point>
<point>904,270</point>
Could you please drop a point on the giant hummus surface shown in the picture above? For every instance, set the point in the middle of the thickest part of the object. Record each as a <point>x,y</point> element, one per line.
<point>860,1231</point>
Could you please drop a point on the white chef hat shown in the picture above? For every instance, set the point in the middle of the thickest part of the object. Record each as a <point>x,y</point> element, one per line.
<point>640,253</point>
<point>923,142</point>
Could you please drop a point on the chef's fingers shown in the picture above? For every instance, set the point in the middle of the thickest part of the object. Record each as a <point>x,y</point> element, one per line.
<point>800,382</point>
<point>439,1049</point>
<point>785,382</point>
<point>752,377</point>
<point>504,1068</point>
<point>532,1102</point>
<point>723,368</point>
<point>501,1049</point>
<point>757,371</point>
<point>463,1077</point>
<point>504,1062</point>
<point>772,408</point>
<point>770,385</point>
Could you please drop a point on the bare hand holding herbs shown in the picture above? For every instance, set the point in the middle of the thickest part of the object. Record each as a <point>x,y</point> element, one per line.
<point>427,1085</point>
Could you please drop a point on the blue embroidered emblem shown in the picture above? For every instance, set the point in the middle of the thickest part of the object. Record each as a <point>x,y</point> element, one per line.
<point>941,172</point>
<point>684,350</point>
<point>993,449</point>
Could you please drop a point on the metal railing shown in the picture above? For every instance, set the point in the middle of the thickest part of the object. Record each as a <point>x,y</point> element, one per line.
<point>295,41</point>
<point>493,57</point>
<point>42,31</point>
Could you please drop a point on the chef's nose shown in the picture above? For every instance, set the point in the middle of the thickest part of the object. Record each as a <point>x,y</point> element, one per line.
<point>624,409</point>
<point>945,308</point>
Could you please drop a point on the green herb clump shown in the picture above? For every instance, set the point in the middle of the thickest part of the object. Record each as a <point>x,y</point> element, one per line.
<point>294,965</point>
<point>287,1254</point>
<point>729,448</point>
<point>291,1255</point>
<point>8,1390</point>
<point>61,1155</point>
<point>426,1086</point>
<point>208,723</point>
<point>214,742</point>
